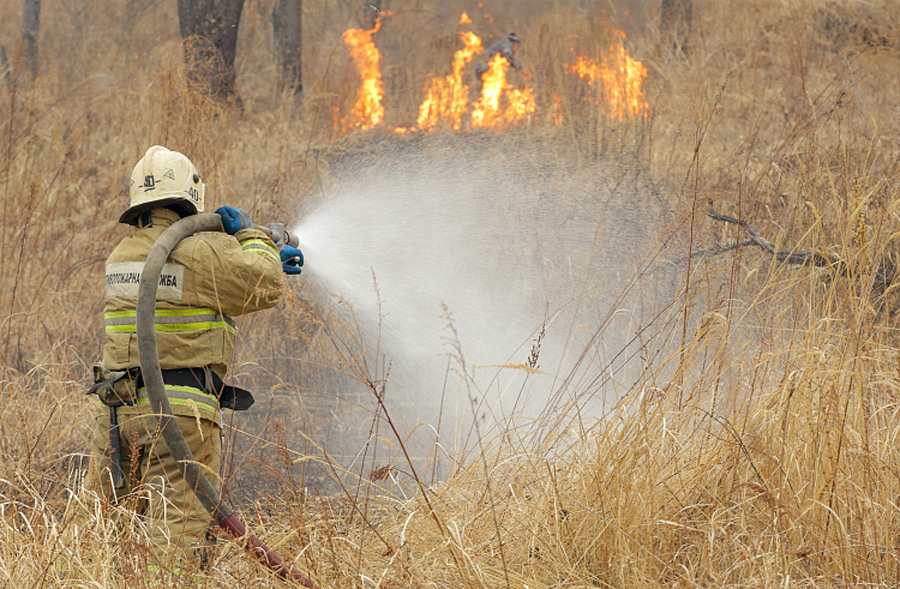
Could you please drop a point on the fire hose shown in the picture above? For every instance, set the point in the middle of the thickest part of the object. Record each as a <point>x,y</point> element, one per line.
<point>151,371</point>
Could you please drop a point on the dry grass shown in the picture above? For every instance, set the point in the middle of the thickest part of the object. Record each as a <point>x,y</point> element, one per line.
<point>759,447</point>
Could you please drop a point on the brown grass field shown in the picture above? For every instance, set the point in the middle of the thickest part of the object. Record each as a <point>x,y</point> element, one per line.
<point>759,446</point>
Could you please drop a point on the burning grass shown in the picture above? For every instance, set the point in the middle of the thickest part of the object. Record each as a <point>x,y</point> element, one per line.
<point>368,110</point>
<point>617,80</point>
<point>497,104</point>
<point>757,446</point>
<point>447,99</point>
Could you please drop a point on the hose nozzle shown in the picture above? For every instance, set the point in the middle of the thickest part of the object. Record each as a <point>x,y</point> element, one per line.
<point>280,235</point>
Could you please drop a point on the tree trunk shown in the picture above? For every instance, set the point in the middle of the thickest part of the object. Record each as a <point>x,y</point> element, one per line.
<point>209,29</point>
<point>287,26</point>
<point>372,11</point>
<point>31,20</point>
<point>677,16</point>
<point>4,64</point>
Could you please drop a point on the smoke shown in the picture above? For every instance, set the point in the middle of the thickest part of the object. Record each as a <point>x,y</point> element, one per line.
<point>489,276</point>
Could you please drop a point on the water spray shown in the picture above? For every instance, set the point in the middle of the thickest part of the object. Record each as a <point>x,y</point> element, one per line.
<point>447,257</point>
<point>151,371</point>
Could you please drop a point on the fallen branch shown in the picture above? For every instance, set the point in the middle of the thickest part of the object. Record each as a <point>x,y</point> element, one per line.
<point>721,249</point>
<point>803,257</point>
<point>885,274</point>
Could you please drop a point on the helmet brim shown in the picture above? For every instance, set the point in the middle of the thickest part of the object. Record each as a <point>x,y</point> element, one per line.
<point>184,206</point>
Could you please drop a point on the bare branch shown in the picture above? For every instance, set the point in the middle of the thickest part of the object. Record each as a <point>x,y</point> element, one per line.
<point>721,249</point>
<point>801,257</point>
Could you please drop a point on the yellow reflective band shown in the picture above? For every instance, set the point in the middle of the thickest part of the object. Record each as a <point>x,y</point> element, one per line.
<point>176,327</point>
<point>163,313</point>
<point>170,327</point>
<point>183,403</point>
<point>258,245</point>
<point>185,312</point>
<point>183,396</point>
<point>206,319</point>
<point>121,328</point>
<point>186,389</point>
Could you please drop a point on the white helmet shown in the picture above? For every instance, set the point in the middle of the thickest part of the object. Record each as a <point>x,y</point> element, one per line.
<point>164,178</point>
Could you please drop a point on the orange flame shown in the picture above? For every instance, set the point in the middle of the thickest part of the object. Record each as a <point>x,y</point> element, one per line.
<point>488,112</point>
<point>447,98</point>
<point>464,19</point>
<point>368,110</point>
<point>618,78</point>
<point>519,104</point>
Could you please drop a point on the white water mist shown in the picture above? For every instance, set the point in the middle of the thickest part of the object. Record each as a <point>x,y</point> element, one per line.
<point>495,241</point>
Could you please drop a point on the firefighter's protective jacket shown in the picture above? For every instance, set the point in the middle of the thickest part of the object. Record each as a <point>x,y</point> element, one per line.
<point>208,279</point>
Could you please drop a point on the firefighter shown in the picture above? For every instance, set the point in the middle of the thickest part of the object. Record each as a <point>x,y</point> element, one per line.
<point>505,47</point>
<point>208,280</point>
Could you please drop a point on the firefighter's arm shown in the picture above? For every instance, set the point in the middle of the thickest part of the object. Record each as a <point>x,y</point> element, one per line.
<point>236,220</point>
<point>240,273</point>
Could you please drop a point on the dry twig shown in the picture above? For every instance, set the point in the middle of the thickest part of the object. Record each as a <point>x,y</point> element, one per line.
<point>802,257</point>
<point>885,273</point>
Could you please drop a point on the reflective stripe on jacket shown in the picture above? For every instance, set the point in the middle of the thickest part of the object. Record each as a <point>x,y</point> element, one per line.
<point>262,247</point>
<point>208,279</point>
<point>184,399</point>
<point>171,320</point>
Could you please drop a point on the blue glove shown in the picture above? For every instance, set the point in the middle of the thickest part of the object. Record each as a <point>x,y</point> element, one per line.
<point>233,220</point>
<point>291,260</point>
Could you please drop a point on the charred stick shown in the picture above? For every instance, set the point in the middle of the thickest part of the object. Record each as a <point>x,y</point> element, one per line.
<point>802,257</point>
<point>721,249</point>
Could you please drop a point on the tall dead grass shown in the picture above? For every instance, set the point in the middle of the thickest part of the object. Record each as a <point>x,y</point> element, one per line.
<point>759,446</point>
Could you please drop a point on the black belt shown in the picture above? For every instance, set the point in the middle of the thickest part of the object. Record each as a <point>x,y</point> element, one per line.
<point>206,380</point>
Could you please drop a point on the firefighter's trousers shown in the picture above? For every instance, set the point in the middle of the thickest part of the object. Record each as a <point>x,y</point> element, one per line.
<point>154,487</point>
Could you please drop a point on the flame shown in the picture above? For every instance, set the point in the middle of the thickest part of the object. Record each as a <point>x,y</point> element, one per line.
<point>447,98</point>
<point>368,110</point>
<point>519,104</point>
<point>488,111</point>
<point>618,78</point>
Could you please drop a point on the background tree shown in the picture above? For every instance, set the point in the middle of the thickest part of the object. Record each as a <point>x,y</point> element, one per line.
<point>210,32</point>
<point>4,64</point>
<point>287,26</point>
<point>677,16</point>
<point>31,20</point>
